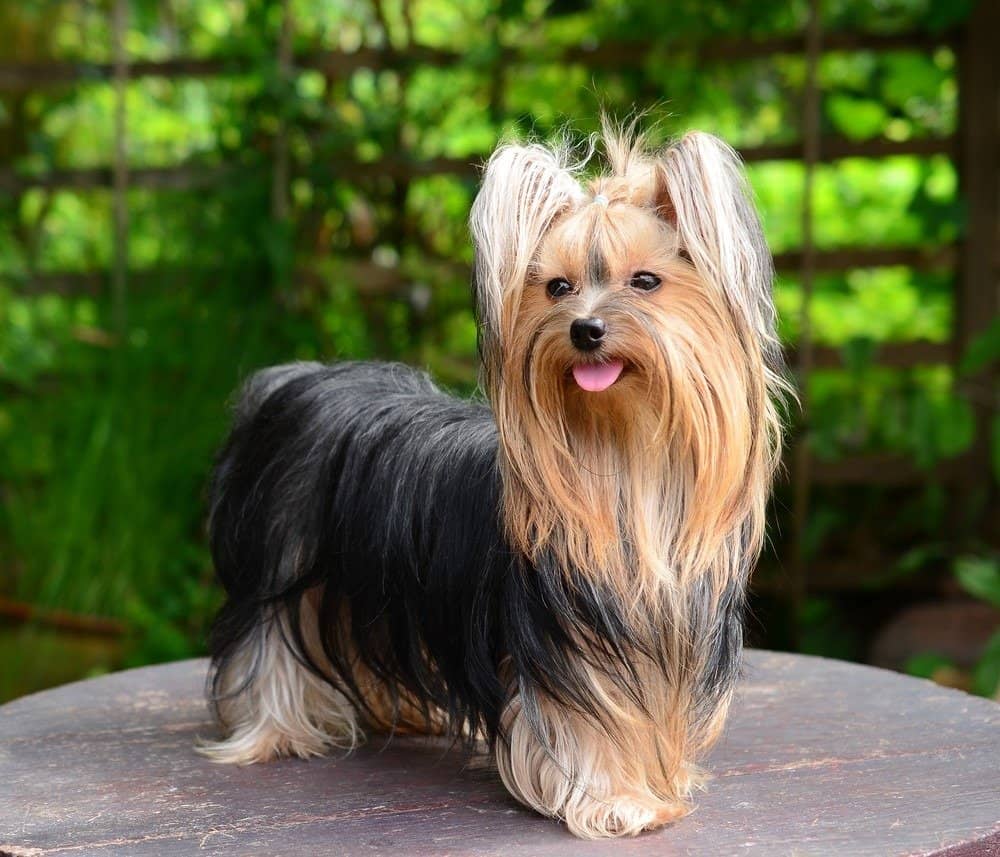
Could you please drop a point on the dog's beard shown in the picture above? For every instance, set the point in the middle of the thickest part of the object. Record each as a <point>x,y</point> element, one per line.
<point>642,483</point>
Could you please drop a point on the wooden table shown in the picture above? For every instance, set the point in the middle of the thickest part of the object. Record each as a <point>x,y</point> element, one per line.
<point>820,757</point>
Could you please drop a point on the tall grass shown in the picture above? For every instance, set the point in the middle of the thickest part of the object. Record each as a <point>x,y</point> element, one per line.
<point>105,515</point>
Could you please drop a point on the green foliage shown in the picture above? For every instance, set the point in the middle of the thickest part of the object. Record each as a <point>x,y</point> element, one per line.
<point>898,95</point>
<point>983,351</point>
<point>979,575</point>
<point>916,412</point>
<point>869,305</point>
<point>927,664</point>
<point>986,678</point>
<point>105,472</point>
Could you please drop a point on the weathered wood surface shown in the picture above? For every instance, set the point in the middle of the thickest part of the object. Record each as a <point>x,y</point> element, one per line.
<point>820,757</point>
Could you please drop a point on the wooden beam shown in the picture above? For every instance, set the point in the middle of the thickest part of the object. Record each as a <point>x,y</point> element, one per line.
<point>404,168</point>
<point>838,148</point>
<point>366,278</point>
<point>729,49</point>
<point>120,168</point>
<point>607,55</point>
<point>62,620</point>
<point>977,302</point>
<point>196,174</point>
<point>845,258</point>
<point>22,77</point>
<point>188,176</point>
<point>919,258</point>
<point>800,454</point>
<point>281,157</point>
<point>858,573</point>
<point>881,469</point>
<point>892,355</point>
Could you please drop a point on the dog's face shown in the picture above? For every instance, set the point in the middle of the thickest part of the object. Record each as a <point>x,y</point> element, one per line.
<point>615,329</point>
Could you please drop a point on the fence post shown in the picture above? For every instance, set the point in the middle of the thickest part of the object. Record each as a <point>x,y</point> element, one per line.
<point>120,177</point>
<point>977,301</point>
<point>802,464</point>
<point>280,173</point>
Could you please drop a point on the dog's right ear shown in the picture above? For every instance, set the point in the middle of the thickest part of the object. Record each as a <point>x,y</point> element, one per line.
<point>524,189</point>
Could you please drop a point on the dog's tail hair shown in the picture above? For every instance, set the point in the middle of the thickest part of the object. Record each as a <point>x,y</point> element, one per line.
<point>250,554</point>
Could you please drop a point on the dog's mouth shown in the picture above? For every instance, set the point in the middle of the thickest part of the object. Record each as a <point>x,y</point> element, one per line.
<point>596,377</point>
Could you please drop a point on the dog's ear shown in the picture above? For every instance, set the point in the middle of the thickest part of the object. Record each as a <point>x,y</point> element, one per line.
<point>524,188</point>
<point>702,191</point>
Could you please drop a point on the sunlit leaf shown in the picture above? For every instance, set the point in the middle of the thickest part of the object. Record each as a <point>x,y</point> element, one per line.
<point>926,664</point>
<point>986,679</point>
<point>980,576</point>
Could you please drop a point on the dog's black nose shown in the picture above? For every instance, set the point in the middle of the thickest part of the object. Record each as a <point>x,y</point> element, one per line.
<point>587,333</point>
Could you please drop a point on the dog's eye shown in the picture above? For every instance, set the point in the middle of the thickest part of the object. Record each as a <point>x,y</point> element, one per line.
<point>644,281</point>
<point>558,287</point>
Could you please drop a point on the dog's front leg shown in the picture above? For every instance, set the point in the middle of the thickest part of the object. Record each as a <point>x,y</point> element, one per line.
<point>563,765</point>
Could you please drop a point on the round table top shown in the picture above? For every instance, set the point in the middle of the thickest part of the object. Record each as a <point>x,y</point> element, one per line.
<point>819,757</point>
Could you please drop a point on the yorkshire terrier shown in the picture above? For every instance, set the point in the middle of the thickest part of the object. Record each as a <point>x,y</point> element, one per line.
<point>557,576</point>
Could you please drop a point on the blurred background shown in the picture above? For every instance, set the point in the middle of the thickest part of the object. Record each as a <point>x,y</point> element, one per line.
<point>191,189</point>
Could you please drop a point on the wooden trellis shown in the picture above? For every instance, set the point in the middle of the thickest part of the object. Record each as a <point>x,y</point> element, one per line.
<point>974,148</point>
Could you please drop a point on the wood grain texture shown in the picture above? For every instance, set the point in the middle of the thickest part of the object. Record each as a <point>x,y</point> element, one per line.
<point>820,757</point>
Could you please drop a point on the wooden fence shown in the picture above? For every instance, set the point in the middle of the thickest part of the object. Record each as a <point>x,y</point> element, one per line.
<point>974,149</point>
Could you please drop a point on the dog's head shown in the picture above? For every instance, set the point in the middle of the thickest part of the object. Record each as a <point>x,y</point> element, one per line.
<point>627,336</point>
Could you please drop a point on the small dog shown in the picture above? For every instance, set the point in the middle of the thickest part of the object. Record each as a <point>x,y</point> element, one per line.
<point>560,575</point>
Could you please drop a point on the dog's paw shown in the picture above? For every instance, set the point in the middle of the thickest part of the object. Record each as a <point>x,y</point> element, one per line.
<point>621,816</point>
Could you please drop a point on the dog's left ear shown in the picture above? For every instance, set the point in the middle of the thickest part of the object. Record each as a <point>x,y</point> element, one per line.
<point>701,189</point>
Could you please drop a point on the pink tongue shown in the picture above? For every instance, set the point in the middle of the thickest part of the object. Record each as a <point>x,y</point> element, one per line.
<point>595,377</point>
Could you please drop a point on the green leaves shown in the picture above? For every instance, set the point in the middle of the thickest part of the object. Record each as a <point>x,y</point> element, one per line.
<point>927,664</point>
<point>986,678</point>
<point>857,118</point>
<point>103,452</point>
<point>983,351</point>
<point>980,576</point>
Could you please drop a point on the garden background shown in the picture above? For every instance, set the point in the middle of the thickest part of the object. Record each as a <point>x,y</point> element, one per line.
<point>191,189</point>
